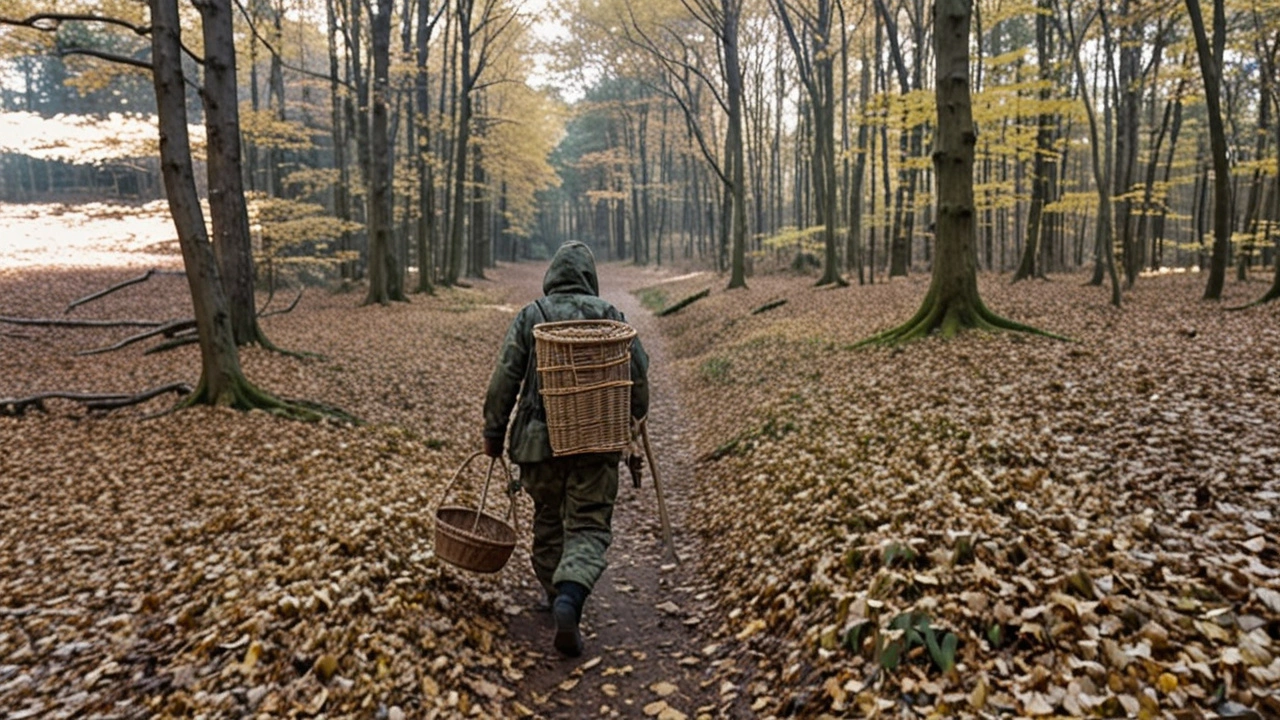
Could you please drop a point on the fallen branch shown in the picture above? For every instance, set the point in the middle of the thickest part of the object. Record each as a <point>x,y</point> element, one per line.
<point>16,407</point>
<point>103,293</point>
<point>177,342</point>
<point>292,305</point>
<point>18,336</point>
<point>59,322</point>
<point>180,388</point>
<point>683,303</point>
<point>769,306</point>
<point>168,330</point>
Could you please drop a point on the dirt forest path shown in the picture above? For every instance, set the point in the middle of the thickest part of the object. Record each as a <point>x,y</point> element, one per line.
<point>646,646</point>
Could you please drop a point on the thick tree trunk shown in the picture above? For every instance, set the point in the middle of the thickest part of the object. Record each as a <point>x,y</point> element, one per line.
<point>952,302</point>
<point>232,246</point>
<point>221,380</point>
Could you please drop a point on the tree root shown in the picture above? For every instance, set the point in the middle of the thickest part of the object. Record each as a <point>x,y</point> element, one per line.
<point>1272,294</point>
<point>243,395</point>
<point>16,407</point>
<point>948,320</point>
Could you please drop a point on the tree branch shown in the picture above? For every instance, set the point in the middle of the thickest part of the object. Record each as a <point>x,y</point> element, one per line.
<point>168,330</point>
<point>271,48</point>
<point>59,322</point>
<point>109,57</point>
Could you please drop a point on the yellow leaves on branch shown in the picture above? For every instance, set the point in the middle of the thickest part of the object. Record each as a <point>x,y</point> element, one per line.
<point>264,129</point>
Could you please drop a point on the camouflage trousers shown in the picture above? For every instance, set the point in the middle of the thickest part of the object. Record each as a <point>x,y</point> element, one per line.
<point>572,514</point>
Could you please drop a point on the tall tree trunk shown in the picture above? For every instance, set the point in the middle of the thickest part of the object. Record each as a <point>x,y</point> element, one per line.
<point>384,270</point>
<point>221,380</point>
<point>1103,247</point>
<point>457,222</point>
<point>952,302</point>
<point>341,192</point>
<point>732,10</point>
<point>232,246</point>
<point>1210,70</point>
<point>426,229</point>
<point>853,251</point>
<point>1043,168</point>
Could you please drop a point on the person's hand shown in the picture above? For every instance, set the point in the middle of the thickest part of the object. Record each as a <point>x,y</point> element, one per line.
<point>493,447</point>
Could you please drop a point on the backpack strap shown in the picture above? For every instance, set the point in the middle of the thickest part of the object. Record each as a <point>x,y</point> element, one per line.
<point>530,372</point>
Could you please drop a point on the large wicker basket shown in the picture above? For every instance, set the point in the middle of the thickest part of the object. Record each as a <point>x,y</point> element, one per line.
<point>471,538</point>
<point>584,374</point>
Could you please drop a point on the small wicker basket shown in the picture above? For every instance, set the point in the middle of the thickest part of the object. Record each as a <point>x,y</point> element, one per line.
<point>470,538</point>
<point>584,374</point>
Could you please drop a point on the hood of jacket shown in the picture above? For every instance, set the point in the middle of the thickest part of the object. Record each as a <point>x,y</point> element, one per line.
<point>572,271</point>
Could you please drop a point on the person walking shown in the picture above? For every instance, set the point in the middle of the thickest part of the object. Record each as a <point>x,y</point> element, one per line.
<point>573,496</point>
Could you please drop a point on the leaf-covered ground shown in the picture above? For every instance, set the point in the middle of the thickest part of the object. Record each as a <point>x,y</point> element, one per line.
<point>212,563</point>
<point>1096,522</point>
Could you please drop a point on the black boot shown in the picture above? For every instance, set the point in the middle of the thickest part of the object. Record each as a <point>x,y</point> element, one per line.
<point>567,611</point>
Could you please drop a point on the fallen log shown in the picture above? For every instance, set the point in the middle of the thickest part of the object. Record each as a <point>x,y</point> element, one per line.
<point>168,330</point>
<point>120,286</point>
<point>684,303</point>
<point>59,322</point>
<point>769,306</point>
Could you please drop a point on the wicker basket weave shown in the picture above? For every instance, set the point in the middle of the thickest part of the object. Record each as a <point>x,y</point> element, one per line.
<point>471,538</point>
<point>584,374</point>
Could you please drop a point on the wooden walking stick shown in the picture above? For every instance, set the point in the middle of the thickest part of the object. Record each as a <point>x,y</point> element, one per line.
<point>657,486</point>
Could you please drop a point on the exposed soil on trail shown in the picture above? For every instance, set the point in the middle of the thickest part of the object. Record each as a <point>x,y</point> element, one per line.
<point>647,652</point>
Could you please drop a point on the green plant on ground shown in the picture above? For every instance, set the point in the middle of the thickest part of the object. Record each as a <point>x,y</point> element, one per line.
<point>652,299</point>
<point>716,369</point>
<point>906,632</point>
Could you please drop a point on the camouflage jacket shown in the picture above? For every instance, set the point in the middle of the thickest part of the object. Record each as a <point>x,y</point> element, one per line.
<point>572,293</point>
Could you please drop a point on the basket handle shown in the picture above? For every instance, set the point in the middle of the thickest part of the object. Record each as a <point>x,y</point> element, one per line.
<point>511,509</point>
